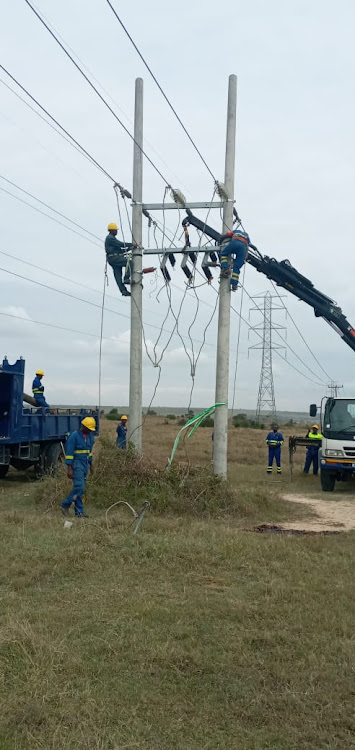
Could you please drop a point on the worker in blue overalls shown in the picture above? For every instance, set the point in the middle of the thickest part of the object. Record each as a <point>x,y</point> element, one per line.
<point>121,430</point>
<point>78,459</point>
<point>274,441</point>
<point>312,452</point>
<point>237,246</point>
<point>38,389</point>
<point>115,254</point>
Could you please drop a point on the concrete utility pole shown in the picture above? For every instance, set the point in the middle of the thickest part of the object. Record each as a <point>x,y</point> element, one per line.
<point>222,369</point>
<point>135,382</point>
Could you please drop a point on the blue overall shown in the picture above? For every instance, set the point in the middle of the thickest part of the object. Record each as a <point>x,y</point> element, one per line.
<point>38,392</point>
<point>238,246</point>
<point>312,454</point>
<point>115,257</point>
<point>274,440</point>
<point>121,436</point>
<point>79,456</point>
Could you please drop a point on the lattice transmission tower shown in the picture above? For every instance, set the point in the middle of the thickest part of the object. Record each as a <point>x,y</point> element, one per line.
<point>266,405</point>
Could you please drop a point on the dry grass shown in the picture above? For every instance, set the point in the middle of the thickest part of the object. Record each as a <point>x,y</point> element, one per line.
<point>192,635</point>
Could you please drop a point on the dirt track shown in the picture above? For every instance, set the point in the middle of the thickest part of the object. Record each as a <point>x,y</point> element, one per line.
<point>334,514</point>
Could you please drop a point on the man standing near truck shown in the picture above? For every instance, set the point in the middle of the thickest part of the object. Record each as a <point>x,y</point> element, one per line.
<point>312,450</point>
<point>38,389</point>
<point>78,459</point>
<point>274,441</point>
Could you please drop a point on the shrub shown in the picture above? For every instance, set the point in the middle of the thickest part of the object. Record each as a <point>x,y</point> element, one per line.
<point>113,414</point>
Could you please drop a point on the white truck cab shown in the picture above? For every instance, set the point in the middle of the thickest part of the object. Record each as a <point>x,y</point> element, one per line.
<point>337,454</point>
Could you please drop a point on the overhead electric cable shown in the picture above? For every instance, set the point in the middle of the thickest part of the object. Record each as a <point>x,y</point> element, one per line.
<point>52,325</point>
<point>87,302</point>
<point>109,96</point>
<point>160,88</point>
<point>82,149</point>
<point>107,105</point>
<point>17,197</point>
<point>59,213</point>
<point>300,333</point>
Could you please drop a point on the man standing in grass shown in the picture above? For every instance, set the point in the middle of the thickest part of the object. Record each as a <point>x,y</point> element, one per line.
<point>121,430</point>
<point>274,441</point>
<point>78,459</point>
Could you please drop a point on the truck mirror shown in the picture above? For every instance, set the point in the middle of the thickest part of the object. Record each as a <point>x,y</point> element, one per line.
<point>313,410</point>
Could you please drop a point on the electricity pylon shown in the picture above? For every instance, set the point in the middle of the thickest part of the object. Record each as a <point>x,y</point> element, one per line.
<point>266,405</point>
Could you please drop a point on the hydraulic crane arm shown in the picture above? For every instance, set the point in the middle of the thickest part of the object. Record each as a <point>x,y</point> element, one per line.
<point>285,275</point>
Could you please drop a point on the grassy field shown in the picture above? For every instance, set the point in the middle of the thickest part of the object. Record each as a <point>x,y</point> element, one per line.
<point>193,635</point>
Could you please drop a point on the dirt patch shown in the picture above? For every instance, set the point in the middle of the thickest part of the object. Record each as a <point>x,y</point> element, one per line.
<point>268,528</point>
<point>331,514</point>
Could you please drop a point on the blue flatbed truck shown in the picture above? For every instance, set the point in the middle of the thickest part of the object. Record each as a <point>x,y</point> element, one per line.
<point>32,435</point>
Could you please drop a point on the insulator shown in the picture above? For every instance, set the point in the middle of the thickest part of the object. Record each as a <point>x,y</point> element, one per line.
<point>172,259</point>
<point>221,190</point>
<point>207,273</point>
<point>178,197</point>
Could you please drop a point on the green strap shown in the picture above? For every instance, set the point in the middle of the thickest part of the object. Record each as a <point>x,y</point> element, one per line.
<point>195,421</point>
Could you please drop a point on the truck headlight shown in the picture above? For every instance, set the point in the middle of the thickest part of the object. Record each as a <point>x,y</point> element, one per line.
<point>334,453</point>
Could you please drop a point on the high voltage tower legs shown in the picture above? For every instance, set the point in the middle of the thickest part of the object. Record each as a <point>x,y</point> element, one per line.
<point>222,369</point>
<point>266,406</point>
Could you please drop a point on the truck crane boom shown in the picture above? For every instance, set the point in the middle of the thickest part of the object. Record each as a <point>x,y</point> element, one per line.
<point>286,276</point>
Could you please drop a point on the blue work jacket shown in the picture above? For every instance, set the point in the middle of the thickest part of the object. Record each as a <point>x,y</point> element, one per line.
<point>116,247</point>
<point>121,436</point>
<point>79,448</point>
<point>274,439</point>
<point>37,387</point>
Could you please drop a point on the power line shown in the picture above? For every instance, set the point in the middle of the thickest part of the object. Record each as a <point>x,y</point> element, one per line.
<point>97,92</point>
<point>112,99</point>
<point>160,89</point>
<point>87,302</point>
<point>51,325</point>
<point>278,353</point>
<point>82,149</point>
<point>285,342</point>
<point>50,207</point>
<point>70,229</point>
<point>300,333</point>
<point>27,104</point>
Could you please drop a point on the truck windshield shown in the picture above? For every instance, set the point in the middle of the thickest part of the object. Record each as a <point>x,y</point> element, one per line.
<point>339,416</point>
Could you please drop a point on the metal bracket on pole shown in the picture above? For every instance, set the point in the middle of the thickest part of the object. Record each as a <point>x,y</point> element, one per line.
<point>191,206</point>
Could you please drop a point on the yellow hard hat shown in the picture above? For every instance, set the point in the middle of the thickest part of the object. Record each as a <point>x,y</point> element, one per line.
<point>123,417</point>
<point>112,225</point>
<point>39,372</point>
<point>89,423</point>
<point>315,426</point>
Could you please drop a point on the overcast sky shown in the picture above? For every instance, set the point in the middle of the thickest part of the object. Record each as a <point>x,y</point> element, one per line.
<point>295,185</point>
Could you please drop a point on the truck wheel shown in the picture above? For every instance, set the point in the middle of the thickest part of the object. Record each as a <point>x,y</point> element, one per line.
<point>327,481</point>
<point>53,458</point>
<point>4,468</point>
